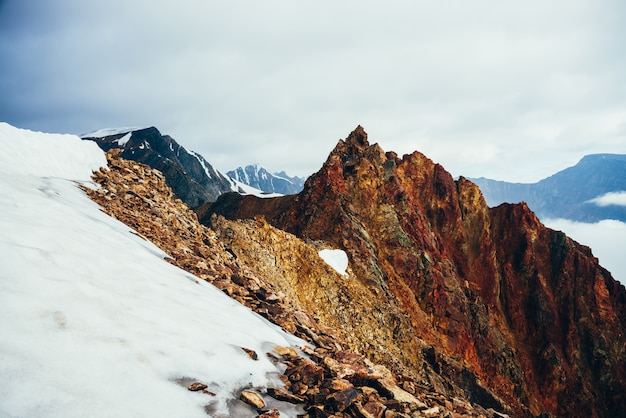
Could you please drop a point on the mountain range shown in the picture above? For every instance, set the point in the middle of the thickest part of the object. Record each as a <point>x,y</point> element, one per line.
<point>192,178</point>
<point>575,193</point>
<point>258,177</point>
<point>441,305</point>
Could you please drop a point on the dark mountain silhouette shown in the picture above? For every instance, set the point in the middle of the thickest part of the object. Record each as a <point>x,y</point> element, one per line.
<point>190,176</point>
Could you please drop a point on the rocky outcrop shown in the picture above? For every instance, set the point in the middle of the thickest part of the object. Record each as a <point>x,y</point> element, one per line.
<point>263,268</point>
<point>520,314</point>
<point>190,176</point>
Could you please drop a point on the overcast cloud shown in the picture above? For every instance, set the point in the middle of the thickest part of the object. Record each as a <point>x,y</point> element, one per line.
<point>512,91</point>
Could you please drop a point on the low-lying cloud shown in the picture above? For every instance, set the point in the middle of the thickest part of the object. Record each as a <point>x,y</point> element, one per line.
<point>609,199</point>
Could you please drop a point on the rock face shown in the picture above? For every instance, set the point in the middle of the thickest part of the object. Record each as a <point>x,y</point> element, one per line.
<point>240,258</point>
<point>190,176</point>
<point>259,178</point>
<point>445,287</point>
<point>569,193</point>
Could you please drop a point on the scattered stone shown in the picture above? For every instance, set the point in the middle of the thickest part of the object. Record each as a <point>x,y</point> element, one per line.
<point>251,353</point>
<point>286,352</point>
<point>272,413</point>
<point>340,385</point>
<point>194,387</point>
<point>375,409</point>
<point>331,381</point>
<point>281,395</point>
<point>431,412</point>
<point>253,399</point>
<point>344,399</point>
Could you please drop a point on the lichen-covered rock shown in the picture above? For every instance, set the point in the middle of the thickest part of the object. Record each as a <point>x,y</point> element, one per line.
<point>484,303</point>
<point>326,378</point>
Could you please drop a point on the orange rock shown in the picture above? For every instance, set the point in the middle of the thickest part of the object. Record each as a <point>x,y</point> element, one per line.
<point>252,399</point>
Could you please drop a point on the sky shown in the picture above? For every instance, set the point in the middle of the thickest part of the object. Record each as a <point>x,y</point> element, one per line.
<point>95,323</point>
<point>513,91</point>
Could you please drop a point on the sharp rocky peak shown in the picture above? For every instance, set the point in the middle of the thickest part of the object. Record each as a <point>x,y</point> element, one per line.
<point>355,147</point>
<point>357,138</point>
<point>489,297</point>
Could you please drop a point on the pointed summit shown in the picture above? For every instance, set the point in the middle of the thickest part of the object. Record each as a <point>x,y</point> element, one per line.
<point>358,137</point>
<point>354,148</point>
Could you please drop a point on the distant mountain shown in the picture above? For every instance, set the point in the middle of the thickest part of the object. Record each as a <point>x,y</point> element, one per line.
<point>574,193</point>
<point>190,176</point>
<point>258,177</point>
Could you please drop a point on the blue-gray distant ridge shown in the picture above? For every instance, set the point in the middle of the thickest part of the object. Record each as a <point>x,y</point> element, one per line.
<point>567,194</point>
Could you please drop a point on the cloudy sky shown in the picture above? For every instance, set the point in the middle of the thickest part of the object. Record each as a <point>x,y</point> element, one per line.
<point>508,90</point>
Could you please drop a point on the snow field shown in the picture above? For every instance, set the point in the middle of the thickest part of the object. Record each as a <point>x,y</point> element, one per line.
<point>94,321</point>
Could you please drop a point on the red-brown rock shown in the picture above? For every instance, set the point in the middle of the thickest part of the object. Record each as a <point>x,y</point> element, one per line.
<point>481,302</point>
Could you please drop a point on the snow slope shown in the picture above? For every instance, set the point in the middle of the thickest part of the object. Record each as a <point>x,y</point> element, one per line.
<point>93,321</point>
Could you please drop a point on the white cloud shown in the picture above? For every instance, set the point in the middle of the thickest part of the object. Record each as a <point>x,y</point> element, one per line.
<point>607,240</point>
<point>536,85</point>
<point>612,198</point>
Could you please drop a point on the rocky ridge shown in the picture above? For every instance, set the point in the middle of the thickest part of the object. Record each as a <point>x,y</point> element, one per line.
<point>329,380</point>
<point>520,314</point>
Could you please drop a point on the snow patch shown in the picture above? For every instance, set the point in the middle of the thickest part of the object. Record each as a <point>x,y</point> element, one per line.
<point>202,162</point>
<point>123,140</point>
<point>33,154</point>
<point>101,133</point>
<point>242,188</point>
<point>94,321</point>
<point>337,259</point>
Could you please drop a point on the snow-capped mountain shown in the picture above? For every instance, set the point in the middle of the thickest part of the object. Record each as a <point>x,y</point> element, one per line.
<point>188,173</point>
<point>94,321</point>
<point>260,178</point>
